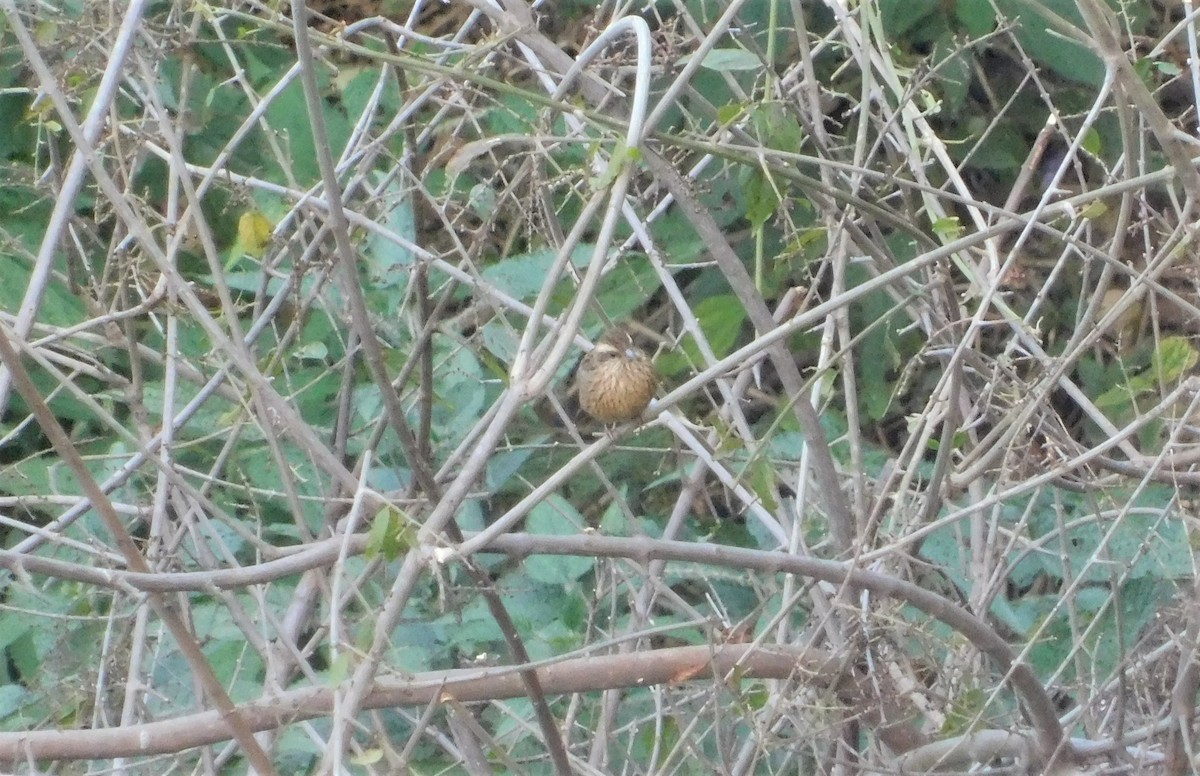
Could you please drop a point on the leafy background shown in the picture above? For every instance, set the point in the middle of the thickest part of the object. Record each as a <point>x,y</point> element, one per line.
<point>967,221</point>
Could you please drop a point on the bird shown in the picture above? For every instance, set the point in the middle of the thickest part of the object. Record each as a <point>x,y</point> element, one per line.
<point>616,380</point>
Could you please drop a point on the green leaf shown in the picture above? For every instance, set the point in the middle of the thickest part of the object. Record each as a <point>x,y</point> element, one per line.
<point>627,286</point>
<point>721,318</point>
<point>617,161</point>
<point>881,352</point>
<point>515,116</point>
<point>367,757</point>
<point>339,669</point>
<point>954,72</point>
<point>1142,67</point>
<point>762,199</point>
<point>503,466</point>
<point>471,630</point>
<point>726,60</point>
<point>391,534</point>
<point>664,737</point>
<point>1139,600</point>
<point>1000,151</point>
<point>978,17</point>
<point>730,112</point>
<point>12,698</point>
<point>523,275</point>
<point>482,200</point>
<point>614,522</point>
<point>900,16</point>
<point>1094,209</point>
<point>948,228</point>
<point>1174,358</point>
<point>964,711</point>
<point>1047,46</point>
<point>1171,360</point>
<point>1142,545</point>
<point>461,392</point>
<point>1169,69</point>
<point>385,259</point>
<point>556,517</point>
<point>677,238</point>
<point>18,133</point>
<point>776,127</point>
<point>763,477</point>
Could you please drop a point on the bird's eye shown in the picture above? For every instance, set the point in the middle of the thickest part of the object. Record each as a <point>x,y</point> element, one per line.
<point>605,353</point>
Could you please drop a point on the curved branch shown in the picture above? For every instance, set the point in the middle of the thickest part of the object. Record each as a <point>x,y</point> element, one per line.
<point>582,674</point>
<point>1037,703</point>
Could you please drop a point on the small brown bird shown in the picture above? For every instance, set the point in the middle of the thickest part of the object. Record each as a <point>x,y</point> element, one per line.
<point>616,380</point>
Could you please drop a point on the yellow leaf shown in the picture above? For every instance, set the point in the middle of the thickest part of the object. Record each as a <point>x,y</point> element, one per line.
<point>1094,209</point>
<point>254,232</point>
<point>367,757</point>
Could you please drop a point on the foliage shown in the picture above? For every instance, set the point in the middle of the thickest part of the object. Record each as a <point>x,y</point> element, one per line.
<point>973,254</point>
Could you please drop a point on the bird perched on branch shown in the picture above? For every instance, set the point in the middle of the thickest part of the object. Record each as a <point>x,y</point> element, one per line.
<point>616,380</point>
